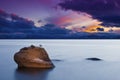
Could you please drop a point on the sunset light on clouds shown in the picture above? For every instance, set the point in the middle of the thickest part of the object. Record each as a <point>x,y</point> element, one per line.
<point>72,20</point>
<point>78,21</point>
<point>61,16</point>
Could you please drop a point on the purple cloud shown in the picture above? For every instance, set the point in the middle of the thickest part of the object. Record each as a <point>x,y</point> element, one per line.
<point>106,10</point>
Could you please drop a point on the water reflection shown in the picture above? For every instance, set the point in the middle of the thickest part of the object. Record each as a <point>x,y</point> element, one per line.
<point>31,74</point>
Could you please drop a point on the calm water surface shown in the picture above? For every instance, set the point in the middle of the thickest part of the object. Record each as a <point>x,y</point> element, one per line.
<point>68,57</point>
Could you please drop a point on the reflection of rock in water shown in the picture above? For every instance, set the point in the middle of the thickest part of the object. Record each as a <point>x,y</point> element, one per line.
<point>31,74</point>
<point>57,60</point>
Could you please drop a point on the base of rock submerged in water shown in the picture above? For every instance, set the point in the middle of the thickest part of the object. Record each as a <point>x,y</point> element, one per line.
<point>94,59</point>
<point>33,57</point>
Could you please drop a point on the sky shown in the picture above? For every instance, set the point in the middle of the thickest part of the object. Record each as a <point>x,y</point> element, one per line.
<point>78,15</point>
<point>107,11</point>
<point>32,9</point>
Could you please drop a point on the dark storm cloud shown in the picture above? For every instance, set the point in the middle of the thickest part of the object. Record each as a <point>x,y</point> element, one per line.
<point>107,11</point>
<point>113,20</point>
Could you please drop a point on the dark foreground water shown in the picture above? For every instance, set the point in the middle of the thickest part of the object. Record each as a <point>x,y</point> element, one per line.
<point>68,57</point>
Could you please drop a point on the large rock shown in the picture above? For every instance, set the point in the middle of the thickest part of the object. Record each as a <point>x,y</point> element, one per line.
<point>94,59</point>
<point>33,57</point>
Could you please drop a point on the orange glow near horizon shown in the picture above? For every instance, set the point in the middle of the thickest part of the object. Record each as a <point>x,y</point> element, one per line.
<point>92,28</point>
<point>79,22</point>
<point>76,21</point>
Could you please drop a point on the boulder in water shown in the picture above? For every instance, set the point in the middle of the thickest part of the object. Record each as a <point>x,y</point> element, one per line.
<point>94,59</point>
<point>33,57</point>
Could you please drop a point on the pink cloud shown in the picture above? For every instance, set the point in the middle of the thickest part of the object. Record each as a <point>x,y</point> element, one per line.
<point>72,20</point>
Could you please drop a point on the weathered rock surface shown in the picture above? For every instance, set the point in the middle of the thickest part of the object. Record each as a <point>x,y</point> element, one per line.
<point>33,57</point>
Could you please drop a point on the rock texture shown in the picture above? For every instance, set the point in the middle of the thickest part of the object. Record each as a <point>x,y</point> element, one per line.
<point>33,57</point>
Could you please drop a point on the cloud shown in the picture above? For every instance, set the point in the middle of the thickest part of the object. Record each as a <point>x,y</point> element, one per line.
<point>13,22</point>
<point>113,20</point>
<point>100,29</point>
<point>16,27</point>
<point>107,11</point>
<point>72,20</point>
<point>3,14</point>
<point>19,27</point>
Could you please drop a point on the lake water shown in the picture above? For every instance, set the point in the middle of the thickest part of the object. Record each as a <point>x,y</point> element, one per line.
<point>69,57</point>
